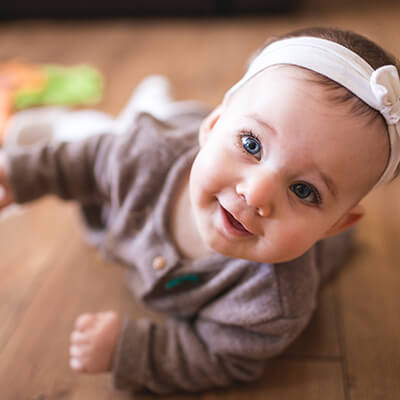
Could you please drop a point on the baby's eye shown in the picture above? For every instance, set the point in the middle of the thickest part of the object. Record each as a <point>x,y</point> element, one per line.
<point>251,145</point>
<point>306,192</point>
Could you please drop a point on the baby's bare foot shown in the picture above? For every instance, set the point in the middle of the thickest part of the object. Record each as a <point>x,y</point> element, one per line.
<point>93,342</point>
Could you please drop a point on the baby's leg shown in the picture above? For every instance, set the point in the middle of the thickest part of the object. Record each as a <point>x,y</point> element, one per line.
<point>45,124</point>
<point>93,342</point>
<point>154,95</point>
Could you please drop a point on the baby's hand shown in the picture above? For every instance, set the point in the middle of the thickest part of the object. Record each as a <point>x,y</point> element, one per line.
<point>6,197</point>
<point>94,341</point>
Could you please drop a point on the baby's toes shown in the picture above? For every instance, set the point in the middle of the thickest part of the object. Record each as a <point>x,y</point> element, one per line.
<point>78,364</point>
<point>79,356</point>
<point>78,338</point>
<point>76,351</point>
<point>85,321</point>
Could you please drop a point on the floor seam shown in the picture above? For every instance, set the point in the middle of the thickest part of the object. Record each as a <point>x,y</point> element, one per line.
<point>341,339</point>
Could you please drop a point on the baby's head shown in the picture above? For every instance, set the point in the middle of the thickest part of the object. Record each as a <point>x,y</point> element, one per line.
<point>289,154</point>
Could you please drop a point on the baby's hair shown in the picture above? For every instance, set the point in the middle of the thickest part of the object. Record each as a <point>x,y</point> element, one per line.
<point>373,54</point>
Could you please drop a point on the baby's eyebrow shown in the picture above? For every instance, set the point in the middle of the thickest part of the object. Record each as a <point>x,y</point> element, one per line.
<point>261,122</point>
<point>328,182</point>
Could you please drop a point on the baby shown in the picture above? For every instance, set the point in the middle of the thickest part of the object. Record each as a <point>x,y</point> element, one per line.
<point>227,222</point>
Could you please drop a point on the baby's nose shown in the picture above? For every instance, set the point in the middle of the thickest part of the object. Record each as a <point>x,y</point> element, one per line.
<point>259,191</point>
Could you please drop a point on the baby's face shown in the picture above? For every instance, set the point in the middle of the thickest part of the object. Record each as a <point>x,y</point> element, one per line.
<point>279,166</point>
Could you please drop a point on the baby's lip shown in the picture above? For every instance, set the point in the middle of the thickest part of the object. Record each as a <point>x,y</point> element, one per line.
<point>238,220</point>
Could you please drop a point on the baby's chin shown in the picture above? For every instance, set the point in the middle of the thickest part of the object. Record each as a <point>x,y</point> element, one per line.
<point>247,253</point>
<point>234,251</point>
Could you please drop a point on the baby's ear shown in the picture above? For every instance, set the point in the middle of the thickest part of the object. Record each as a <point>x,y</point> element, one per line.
<point>349,219</point>
<point>208,123</point>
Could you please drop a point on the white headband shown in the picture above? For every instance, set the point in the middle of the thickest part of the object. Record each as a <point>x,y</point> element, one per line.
<point>380,89</point>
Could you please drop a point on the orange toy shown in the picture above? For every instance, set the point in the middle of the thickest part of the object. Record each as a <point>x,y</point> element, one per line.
<point>13,75</point>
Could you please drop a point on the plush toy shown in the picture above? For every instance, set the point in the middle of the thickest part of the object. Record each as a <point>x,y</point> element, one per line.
<point>24,85</point>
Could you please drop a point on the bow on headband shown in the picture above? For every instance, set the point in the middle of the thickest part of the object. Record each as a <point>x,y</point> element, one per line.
<point>385,84</point>
<point>380,88</point>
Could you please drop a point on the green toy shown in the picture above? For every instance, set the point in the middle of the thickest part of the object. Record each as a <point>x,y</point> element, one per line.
<point>69,86</point>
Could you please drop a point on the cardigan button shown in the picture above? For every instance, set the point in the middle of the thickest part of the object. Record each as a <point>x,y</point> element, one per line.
<point>159,262</point>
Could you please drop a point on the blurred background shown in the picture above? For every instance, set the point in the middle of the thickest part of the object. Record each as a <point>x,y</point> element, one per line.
<point>94,8</point>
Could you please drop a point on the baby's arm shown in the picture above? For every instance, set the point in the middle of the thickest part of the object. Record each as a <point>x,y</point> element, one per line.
<point>229,338</point>
<point>178,357</point>
<point>197,355</point>
<point>70,170</point>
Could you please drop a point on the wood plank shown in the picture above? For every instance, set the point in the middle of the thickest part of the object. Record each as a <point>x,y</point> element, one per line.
<point>24,255</point>
<point>369,297</point>
<point>289,379</point>
<point>75,281</point>
<point>321,338</point>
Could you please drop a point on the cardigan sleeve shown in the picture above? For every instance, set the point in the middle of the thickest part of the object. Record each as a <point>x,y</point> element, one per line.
<point>99,168</point>
<point>77,170</point>
<point>199,354</point>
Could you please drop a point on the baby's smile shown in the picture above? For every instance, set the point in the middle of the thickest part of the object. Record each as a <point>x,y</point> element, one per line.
<point>232,224</point>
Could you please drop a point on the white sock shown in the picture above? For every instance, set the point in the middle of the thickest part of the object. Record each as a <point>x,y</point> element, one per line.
<point>152,95</point>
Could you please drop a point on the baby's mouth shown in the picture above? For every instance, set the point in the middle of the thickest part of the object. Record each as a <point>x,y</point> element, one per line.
<point>233,224</point>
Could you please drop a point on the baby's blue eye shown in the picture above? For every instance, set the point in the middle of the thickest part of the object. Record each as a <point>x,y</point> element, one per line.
<point>306,192</point>
<point>251,144</point>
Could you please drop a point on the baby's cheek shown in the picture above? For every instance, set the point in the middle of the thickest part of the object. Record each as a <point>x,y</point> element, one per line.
<point>293,244</point>
<point>206,176</point>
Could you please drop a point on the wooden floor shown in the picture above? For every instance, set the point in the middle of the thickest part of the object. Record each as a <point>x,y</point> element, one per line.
<point>351,350</point>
